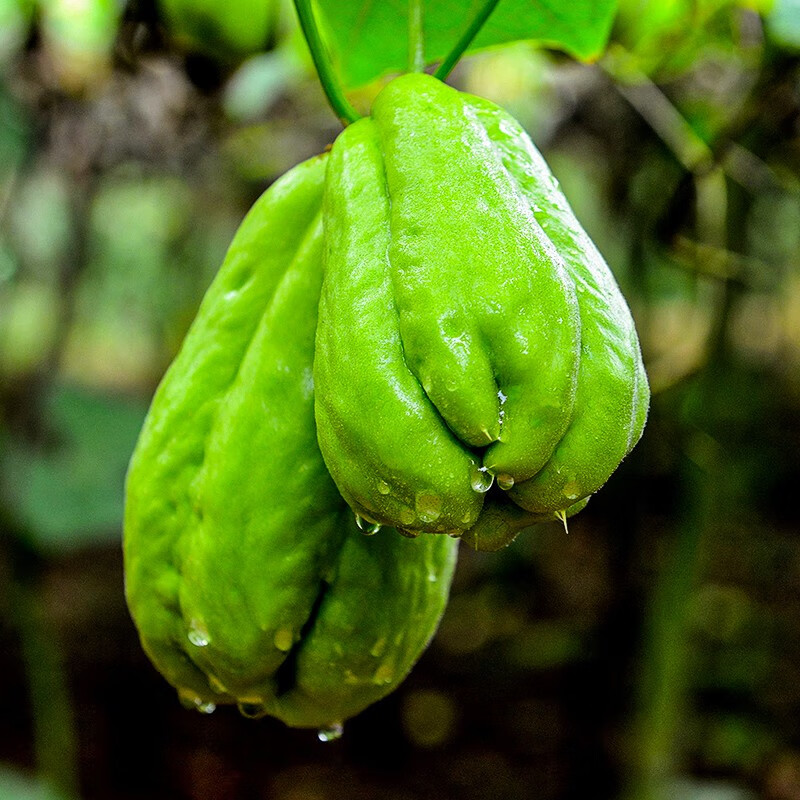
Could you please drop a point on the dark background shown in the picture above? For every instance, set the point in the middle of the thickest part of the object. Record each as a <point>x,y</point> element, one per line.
<point>651,652</point>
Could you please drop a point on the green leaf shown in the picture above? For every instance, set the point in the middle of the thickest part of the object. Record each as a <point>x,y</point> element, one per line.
<point>68,491</point>
<point>783,23</point>
<point>16,785</point>
<point>369,39</point>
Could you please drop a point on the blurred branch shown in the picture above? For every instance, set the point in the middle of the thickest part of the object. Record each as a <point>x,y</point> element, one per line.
<point>664,687</point>
<point>650,102</point>
<point>55,740</point>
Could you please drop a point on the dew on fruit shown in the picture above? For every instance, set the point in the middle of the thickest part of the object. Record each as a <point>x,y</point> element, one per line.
<point>330,733</point>
<point>480,478</point>
<point>429,506</point>
<point>198,636</point>
<point>505,481</point>
<point>283,639</point>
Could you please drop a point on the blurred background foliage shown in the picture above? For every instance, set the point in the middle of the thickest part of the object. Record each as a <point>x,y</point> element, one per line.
<point>653,652</point>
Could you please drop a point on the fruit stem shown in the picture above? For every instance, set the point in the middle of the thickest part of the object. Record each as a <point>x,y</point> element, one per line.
<point>478,21</point>
<point>322,61</point>
<point>416,37</point>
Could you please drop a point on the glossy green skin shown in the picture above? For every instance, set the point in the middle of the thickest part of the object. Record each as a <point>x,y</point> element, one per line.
<point>613,395</point>
<point>466,320</point>
<point>230,28</point>
<point>428,320</point>
<point>245,573</point>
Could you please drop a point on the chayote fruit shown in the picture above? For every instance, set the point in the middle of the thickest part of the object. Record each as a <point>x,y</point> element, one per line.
<point>468,327</point>
<point>245,573</point>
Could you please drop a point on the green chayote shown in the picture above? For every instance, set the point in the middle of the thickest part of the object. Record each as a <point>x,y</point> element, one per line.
<point>245,573</point>
<point>468,327</point>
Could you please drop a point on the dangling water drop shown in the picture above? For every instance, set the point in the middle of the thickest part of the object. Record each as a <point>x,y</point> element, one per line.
<point>480,478</point>
<point>330,733</point>
<point>197,636</point>
<point>283,639</point>
<point>505,481</point>
<point>366,527</point>
<point>383,675</point>
<point>192,701</point>
<point>406,515</point>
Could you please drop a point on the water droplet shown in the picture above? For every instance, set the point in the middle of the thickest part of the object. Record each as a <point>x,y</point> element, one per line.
<point>480,478</point>
<point>572,490</point>
<point>366,527</point>
<point>451,385</point>
<point>501,397</point>
<point>505,481</point>
<point>429,506</point>
<point>330,733</point>
<point>432,577</point>
<point>252,710</point>
<point>383,487</point>
<point>283,639</point>
<point>190,700</point>
<point>383,675</point>
<point>406,515</point>
<point>198,636</point>
<point>407,533</point>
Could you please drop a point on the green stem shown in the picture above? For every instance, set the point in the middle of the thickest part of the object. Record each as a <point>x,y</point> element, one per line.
<point>451,59</point>
<point>51,706</point>
<point>416,37</point>
<point>327,75</point>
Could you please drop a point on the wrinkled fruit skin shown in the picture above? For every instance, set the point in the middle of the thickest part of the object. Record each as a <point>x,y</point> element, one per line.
<point>245,574</point>
<point>468,326</point>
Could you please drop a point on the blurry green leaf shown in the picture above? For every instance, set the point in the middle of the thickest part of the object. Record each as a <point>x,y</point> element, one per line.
<point>79,35</point>
<point>28,317</point>
<point>783,23</point>
<point>69,492</point>
<point>15,785</point>
<point>544,645</point>
<point>670,36</point>
<point>370,39</point>
<point>40,221</point>
<point>258,83</point>
<point>229,29</point>
<point>14,138</point>
<point>15,18</point>
<point>691,789</point>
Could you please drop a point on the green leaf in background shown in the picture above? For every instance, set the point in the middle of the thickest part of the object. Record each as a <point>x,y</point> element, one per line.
<point>369,39</point>
<point>783,23</point>
<point>230,29</point>
<point>15,17</point>
<point>69,491</point>
<point>15,785</point>
<point>79,37</point>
